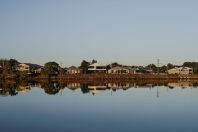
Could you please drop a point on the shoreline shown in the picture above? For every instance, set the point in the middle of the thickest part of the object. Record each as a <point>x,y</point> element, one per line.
<point>101,77</point>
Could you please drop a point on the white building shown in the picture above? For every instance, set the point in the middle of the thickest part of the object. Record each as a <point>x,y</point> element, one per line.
<point>122,70</point>
<point>97,68</point>
<point>181,70</point>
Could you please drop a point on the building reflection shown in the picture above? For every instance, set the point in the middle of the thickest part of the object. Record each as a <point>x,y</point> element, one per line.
<point>182,85</point>
<point>73,86</point>
<point>23,88</point>
<point>52,88</point>
<point>115,86</point>
<point>97,89</point>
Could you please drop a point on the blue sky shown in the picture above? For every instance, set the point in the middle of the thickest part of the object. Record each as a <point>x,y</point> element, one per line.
<point>134,32</point>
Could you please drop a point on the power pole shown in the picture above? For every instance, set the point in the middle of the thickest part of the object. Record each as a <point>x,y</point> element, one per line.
<point>158,63</point>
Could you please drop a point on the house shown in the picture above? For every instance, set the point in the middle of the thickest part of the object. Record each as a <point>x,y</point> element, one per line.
<point>143,70</point>
<point>37,70</point>
<point>73,70</point>
<point>23,67</point>
<point>181,70</point>
<point>96,67</point>
<point>29,68</point>
<point>122,70</point>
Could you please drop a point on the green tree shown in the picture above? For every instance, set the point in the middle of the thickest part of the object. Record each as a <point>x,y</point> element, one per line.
<point>170,66</point>
<point>115,64</point>
<point>163,69</point>
<point>51,68</point>
<point>152,67</point>
<point>93,61</point>
<point>84,66</point>
<point>193,65</point>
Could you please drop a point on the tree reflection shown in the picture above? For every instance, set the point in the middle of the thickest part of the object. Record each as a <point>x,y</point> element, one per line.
<point>8,89</point>
<point>53,88</point>
<point>84,88</point>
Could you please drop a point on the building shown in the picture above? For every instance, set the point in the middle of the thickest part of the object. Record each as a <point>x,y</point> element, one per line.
<point>181,70</point>
<point>23,67</point>
<point>37,70</point>
<point>122,70</point>
<point>29,68</point>
<point>73,70</point>
<point>97,68</point>
<point>144,70</point>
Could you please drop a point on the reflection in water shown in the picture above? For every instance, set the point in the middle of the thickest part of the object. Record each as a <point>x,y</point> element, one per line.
<point>182,85</point>
<point>99,106</point>
<point>12,88</point>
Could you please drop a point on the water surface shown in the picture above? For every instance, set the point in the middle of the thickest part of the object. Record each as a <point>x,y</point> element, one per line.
<point>115,107</point>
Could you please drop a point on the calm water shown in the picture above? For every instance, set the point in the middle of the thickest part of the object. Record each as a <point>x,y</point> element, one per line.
<point>113,107</point>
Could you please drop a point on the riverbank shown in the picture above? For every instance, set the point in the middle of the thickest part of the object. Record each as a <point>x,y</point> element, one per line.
<point>101,77</point>
<point>117,77</point>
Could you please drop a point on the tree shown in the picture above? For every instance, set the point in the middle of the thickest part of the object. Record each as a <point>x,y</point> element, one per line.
<point>115,64</point>
<point>51,68</point>
<point>170,66</point>
<point>193,65</point>
<point>13,64</point>
<point>108,67</point>
<point>84,66</point>
<point>93,61</point>
<point>163,69</point>
<point>8,66</point>
<point>152,67</point>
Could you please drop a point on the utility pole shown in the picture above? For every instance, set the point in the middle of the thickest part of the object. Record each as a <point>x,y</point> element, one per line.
<point>158,95</point>
<point>3,68</point>
<point>158,63</point>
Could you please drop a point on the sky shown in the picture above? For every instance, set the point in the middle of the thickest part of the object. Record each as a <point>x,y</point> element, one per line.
<point>131,32</point>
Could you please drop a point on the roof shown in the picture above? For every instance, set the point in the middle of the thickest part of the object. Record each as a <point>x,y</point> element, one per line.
<point>32,65</point>
<point>73,68</point>
<point>118,68</point>
<point>123,68</point>
<point>96,64</point>
<point>181,68</point>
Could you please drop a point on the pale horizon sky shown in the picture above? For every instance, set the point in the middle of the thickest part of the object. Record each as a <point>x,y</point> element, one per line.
<point>131,32</point>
